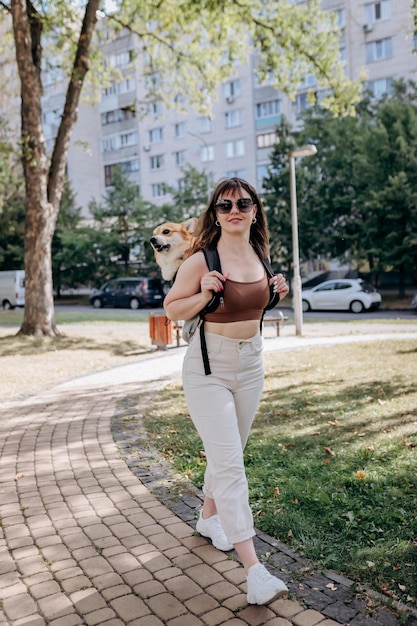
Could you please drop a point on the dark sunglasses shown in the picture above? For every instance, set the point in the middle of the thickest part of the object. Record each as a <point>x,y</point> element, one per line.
<point>243,204</point>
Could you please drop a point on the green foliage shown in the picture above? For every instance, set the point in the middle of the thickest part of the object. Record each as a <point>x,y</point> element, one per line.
<point>357,197</point>
<point>192,49</point>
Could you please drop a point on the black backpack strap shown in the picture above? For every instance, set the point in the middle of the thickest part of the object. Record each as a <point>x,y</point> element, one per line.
<point>213,263</point>
<point>274,297</point>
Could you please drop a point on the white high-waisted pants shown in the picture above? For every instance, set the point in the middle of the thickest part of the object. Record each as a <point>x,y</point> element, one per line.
<point>222,406</point>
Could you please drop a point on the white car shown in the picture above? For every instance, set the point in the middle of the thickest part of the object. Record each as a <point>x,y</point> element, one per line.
<point>341,294</point>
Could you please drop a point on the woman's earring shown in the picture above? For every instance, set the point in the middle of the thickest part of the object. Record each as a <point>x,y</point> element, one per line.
<point>217,223</point>
<point>254,220</point>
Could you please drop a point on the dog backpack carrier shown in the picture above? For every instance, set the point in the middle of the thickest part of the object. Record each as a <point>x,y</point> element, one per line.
<point>197,322</point>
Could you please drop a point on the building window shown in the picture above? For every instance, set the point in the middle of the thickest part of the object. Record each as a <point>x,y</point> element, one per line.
<point>117,115</point>
<point>157,162</point>
<point>233,118</point>
<point>180,157</point>
<point>377,11</point>
<point>236,174</point>
<point>231,89</point>
<point>266,140</point>
<point>381,87</point>
<point>125,85</point>
<point>207,153</point>
<point>378,50</point>
<point>155,135</point>
<point>262,175</point>
<point>180,130</point>
<point>340,18</point>
<point>158,190</point>
<point>267,109</point>
<point>205,125</point>
<point>122,59</point>
<point>301,102</point>
<point>235,148</point>
<point>116,142</point>
<point>126,167</point>
<point>181,184</point>
<point>155,108</point>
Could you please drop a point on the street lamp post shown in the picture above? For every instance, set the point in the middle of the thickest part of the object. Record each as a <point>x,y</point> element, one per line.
<point>303,151</point>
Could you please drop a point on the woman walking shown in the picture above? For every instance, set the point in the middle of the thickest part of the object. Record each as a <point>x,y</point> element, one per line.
<point>223,404</point>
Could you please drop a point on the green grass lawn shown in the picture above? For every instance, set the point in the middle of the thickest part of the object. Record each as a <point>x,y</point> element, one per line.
<point>331,460</point>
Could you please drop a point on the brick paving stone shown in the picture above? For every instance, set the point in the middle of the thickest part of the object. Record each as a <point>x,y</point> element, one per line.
<point>124,562</point>
<point>173,553</point>
<point>19,606</point>
<point>149,588</point>
<point>203,575</point>
<point>54,606</point>
<point>339,611</point>
<point>310,617</point>
<point>129,607</point>
<point>87,600</point>
<point>68,572</point>
<point>166,607</point>
<point>45,588</point>
<point>99,617</point>
<point>12,590</point>
<point>199,605</point>
<point>75,584</point>
<point>210,555</point>
<point>95,566</point>
<point>186,561</point>
<point>115,592</point>
<point>182,587</point>
<point>235,603</point>
<point>286,608</point>
<point>280,621</point>
<point>256,615</point>
<point>222,590</point>
<point>154,561</point>
<point>217,617</point>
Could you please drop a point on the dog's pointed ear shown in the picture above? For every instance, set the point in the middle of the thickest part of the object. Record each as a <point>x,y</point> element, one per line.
<point>191,224</point>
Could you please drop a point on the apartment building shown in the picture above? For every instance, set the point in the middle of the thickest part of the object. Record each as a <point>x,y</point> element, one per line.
<point>151,142</point>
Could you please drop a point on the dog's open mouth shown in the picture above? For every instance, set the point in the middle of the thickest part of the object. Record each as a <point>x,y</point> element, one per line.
<point>161,248</point>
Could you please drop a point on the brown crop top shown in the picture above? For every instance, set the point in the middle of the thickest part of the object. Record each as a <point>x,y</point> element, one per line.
<point>241,302</point>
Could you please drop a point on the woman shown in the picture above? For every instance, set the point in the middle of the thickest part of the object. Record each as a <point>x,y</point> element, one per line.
<point>223,404</point>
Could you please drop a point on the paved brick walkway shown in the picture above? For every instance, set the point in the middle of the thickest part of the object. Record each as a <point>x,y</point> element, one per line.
<point>87,535</point>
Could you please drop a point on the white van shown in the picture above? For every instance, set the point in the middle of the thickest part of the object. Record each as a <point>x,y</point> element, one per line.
<point>12,289</point>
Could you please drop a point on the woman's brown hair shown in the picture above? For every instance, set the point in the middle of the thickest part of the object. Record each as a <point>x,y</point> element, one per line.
<point>208,233</point>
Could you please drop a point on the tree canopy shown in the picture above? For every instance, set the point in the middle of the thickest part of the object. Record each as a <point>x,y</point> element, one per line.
<point>357,198</point>
<point>185,48</point>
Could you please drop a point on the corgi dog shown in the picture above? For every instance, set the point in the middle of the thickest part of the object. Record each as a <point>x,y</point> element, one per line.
<point>171,242</point>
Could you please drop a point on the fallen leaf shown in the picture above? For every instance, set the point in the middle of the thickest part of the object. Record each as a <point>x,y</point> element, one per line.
<point>295,501</point>
<point>402,587</point>
<point>360,474</point>
<point>329,451</point>
<point>289,533</point>
<point>326,462</point>
<point>396,567</point>
<point>276,491</point>
<point>19,476</point>
<point>331,586</point>
<point>202,454</point>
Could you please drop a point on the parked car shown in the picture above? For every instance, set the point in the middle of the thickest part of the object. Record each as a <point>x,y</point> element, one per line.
<point>341,294</point>
<point>12,289</point>
<point>414,303</point>
<point>133,293</point>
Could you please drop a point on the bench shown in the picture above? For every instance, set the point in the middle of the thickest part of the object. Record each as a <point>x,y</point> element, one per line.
<point>278,318</point>
<point>177,328</point>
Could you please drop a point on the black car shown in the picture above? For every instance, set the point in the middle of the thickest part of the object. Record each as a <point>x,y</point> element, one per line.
<point>134,293</point>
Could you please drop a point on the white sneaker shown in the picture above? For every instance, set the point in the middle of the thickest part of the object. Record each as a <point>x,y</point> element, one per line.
<point>263,587</point>
<point>212,528</point>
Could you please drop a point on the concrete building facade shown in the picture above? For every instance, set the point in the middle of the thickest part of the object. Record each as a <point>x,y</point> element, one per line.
<point>152,143</point>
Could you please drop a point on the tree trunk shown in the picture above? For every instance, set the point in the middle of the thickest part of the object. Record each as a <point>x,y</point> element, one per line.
<point>44,182</point>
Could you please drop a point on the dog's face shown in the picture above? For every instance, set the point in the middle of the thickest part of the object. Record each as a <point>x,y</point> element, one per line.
<point>170,243</point>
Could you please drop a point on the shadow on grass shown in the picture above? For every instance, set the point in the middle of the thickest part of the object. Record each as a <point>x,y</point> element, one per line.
<point>11,345</point>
